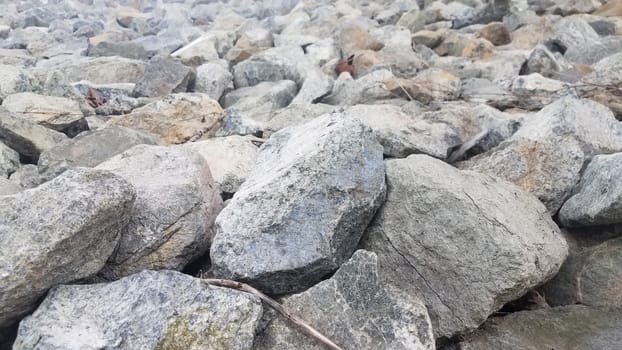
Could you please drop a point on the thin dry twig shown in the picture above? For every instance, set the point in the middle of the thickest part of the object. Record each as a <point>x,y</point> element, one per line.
<point>302,324</point>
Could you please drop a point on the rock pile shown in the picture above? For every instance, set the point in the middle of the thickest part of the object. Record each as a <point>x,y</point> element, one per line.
<point>412,174</point>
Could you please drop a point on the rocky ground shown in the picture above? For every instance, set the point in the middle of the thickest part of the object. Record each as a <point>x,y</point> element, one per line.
<point>408,174</point>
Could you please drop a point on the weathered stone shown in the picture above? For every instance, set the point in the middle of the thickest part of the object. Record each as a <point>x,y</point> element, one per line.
<point>294,114</point>
<point>496,33</point>
<point>262,98</point>
<point>8,187</point>
<point>125,49</point>
<point>595,51</point>
<point>90,149</point>
<point>368,88</point>
<point>231,159</point>
<point>571,7</point>
<point>57,113</point>
<point>176,118</point>
<point>9,160</point>
<point>575,327</point>
<point>100,70</point>
<point>26,137</point>
<point>573,32</point>
<point>13,80</point>
<point>148,310</point>
<point>302,211</point>
<point>270,65</point>
<point>66,228</point>
<point>27,176</point>
<point>545,62</point>
<point>162,77</point>
<point>172,219</point>
<point>212,79</point>
<point>612,8</point>
<point>370,316</point>
<point>430,85</point>
<point>597,199</point>
<point>428,38</point>
<point>465,243</point>
<point>534,91</point>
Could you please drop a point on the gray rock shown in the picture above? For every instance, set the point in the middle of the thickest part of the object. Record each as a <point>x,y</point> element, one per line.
<point>13,80</point>
<point>366,89</point>
<point>487,92</point>
<point>56,113</point>
<point>603,27</point>
<point>575,327</point>
<point>465,243</point>
<point>172,219</point>
<point>231,159</point>
<point>59,232</point>
<point>607,71</point>
<point>271,65</point>
<point>573,31</point>
<point>9,160</point>
<point>148,310</point>
<point>302,211</point>
<point>534,91</point>
<point>25,137</point>
<point>590,276</point>
<point>597,199</point>
<point>126,49</point>
<point>100,70</point>
<point>90,149</point>
<point>370,316</point>
<point>8,187</point>
<point>570,7</point>
<point>544,61</point>
<point>27,176</point>
<point>546,154</point>
<point>212,79</point>
<point>294,114</point>
<point>163,76</point>
<point>594,51</point>
<point>401,134</point>
<point>262,98</point>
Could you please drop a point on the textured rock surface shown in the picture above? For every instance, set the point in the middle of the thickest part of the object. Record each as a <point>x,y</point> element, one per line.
<point>176,204</point>
<point>9,160</point>
<point>163,77</point>
<point>56,113</point>
<point>371,316</point>
<point>302,211</point>
<point>465,243</point>
<point>148,310</point>
<point>66,228</point>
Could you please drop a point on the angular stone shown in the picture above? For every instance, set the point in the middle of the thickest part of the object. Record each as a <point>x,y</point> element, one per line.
<point>172,219</point>
<point>90,149</point>
<point>302,211</point>
<point>125,49</point>
<point>465,243</point>
<point>162,77</point>
<point>148,310</point>
<point>262,98</point>
<point>612,8</point>
<point>370,316</point>
<point>496,33</point>
<point>231,159</point>
<point>573,32</point>
<point>575,327</point>
<point>270,65</point>
<point>8,187</point>
<point>595,51</point>
<point>597,200</point>
<point>66,228</point>
<point>428,38</point>
<point>100,70</point>
<point>25,137</point>
<point>176,118</point>
<point>9,160</point>
<point>212,79</point>
<point>367,89</point>
<point>13,80</point>
<point>56,113</point>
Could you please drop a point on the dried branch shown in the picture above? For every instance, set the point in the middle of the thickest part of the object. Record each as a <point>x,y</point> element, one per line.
<point>303,325</point>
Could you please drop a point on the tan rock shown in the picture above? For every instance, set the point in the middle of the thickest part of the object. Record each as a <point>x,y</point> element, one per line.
<point>478,49</point>
<point>53,112</point>
<point>427,38</point>
<point>612,8</point>
<point>496,33</point>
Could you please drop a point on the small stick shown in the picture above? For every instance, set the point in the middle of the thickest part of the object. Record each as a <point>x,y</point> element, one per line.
<point>304,326</point>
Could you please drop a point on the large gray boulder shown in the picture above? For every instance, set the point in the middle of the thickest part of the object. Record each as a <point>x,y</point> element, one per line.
<point>9,160</point>
<point>172,219</point>
<point>163,76</point>
<point>13,80</point>
<point>370,316</point>
<point>56,233</point>
<point>464,242</point>
<point>148,310</point>
<point>57,113</point>
<point>302,211</point>
<point>598,196</point>
<point>546,155</point>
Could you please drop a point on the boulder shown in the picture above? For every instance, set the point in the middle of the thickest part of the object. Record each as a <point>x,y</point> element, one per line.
<point>172,219</point>
<point>9,160</point>
<point>212,79</point>
<point>8,187</point>
<point>463,242</point>
<point>162,77</point>
<point>59,232</point>
<point>148,310</point>
<point>99,70</point>
<point>303,209</point>
<point>573,31</point>
<point>13,80</point>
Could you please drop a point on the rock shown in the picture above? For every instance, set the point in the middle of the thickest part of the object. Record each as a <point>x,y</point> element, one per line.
<point>428,38</point>
<point>9,160</point>
<point>603,27</point>
<point>601,82</point>
<point>25,137</point>
<point>546,154</point>
<point>357,291</point>
<point>8,187</point>
<point>575,327</point>
<point>27,176</point>
<point>430,85</point>
<point>496,33</point>
<point>401,134</point>
<point>595,201</point>
<point>486,243</point>
<point>172,219</point>
<point>212,79</point>
<point>125,49</point>
<point>484,91</point>
<point>294,114</point>
<point>100,70</point>
<point>176,118</point>
<point>367,89</point>
<point>231,159</point>
<point>612,8</point>
<point>13,80</point>
<point>184,312</point>
<point>570,7</point>
<point>66,228</point>
<point>573,32</point>
<point>162,77</point>
<point>90,149</point>
<point>57,113</point>
<point>589,277</point>
<point>303,209</point>
<point>271,65</point>
<point>262,98</point>
<point>535,91</point>
<point>413,20</point>
<point>545,62</point>
<point>594,52</point>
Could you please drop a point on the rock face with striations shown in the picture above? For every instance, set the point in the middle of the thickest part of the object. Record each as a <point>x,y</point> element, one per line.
<point>465,243</point>
<point>302,211</point>
<point>66,228</point>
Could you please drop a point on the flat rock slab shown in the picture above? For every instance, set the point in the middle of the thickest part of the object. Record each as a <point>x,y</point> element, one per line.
<point>57,113</point>
<point>464,242</point>
<point>172,219</point>
<point>148,310</point>
<point>163,76</point>
<point>9,160</point>
<point>59,232</point>
<point>302,211</point>
<point>368,317</point>
<point>575,327</point>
